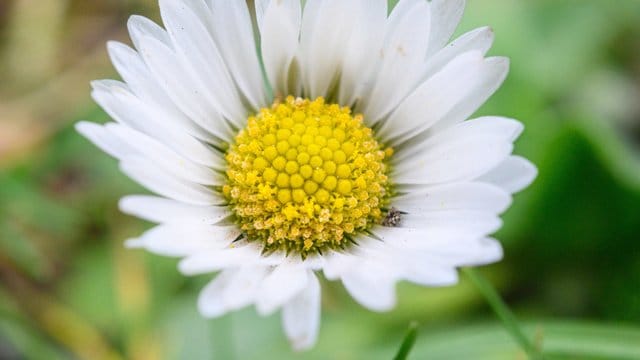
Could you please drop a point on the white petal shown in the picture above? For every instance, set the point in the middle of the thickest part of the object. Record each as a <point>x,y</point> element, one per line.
<point>161,210</point>
<point>301,316</point>
<point>422,257</point>
<point>121,142</point>
<point>200,56</point>
<point>361,54</point>
<point>180,240</point>
<point>403,58</point>
<point>438,247</point>
<point>478,223</point>
<point>165,157</point>
<point>461,160</point>
<point>489,251</point>
<point>280,286</point>
<point>428,273</point>
<point>514,174</point>
<point>135,73</point>
<point>124,107</point>
<point>243,289</point>
<point>424,239</point>
<point>503,129</point>
<point>181,87</point>
<point>324,45</point>
<point>142,83</point>
<point>459,196</point>
<point>279,33</point>
<point>162,183</point>
<point>414,266</point>
<point>336,264</point>
<point>475,252</point>
<point>308,22</point>
<point>232,256</point>
<point>261,8</point>
<point>232,30</point>
<point>102,138</point>
<point>446,15</point>
<point>435,98</point>
<point>210,301</point>
<point>479,39</point>
<point>231,290</point>
<point>401,8</point>
<point>370,284</point>
<point>140,26</point>
<point>479,87</point>
<point>494,74</point>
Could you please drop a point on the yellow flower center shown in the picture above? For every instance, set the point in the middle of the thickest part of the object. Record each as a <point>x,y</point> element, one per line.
<point>305,176</point>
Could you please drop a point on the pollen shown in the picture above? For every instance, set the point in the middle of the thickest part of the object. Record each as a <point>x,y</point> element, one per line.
<point>305,176</point>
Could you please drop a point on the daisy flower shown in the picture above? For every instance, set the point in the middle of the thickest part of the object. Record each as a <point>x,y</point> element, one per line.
<point>338,144</point>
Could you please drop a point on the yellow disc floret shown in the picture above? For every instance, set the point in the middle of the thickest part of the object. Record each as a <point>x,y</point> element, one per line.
<point>305,176</point>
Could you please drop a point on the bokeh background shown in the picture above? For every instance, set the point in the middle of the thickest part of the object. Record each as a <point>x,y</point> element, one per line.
<point>68,288</point>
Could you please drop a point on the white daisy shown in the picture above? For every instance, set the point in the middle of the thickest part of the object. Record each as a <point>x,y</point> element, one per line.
<point>353,158</point>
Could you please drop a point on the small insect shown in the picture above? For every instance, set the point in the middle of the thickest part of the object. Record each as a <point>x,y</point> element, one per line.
<point>393,218</point>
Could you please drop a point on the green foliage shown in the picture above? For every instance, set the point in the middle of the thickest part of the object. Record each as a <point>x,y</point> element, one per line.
<point>571,240</point>
<point>408,342</point>
<point>561,340</point>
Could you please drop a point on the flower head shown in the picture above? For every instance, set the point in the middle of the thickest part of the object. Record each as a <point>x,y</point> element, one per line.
<point>355,156</point>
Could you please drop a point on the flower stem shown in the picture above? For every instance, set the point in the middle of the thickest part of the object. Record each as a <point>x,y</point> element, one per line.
<point>503,312</point>
<point>408,342</point>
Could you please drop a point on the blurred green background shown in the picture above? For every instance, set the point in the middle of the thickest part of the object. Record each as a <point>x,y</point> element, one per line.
<point>572,255</point>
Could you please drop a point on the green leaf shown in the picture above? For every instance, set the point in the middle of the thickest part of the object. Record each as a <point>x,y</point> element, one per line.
<point>502,311</point>
<point>408,342</point>
<point>559,340</point>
